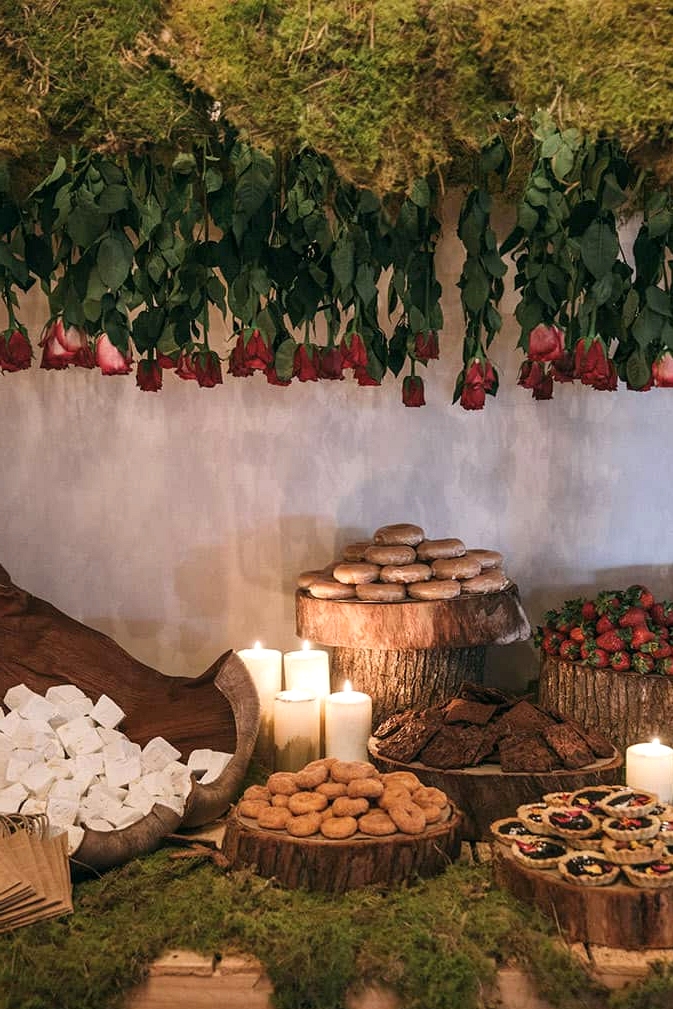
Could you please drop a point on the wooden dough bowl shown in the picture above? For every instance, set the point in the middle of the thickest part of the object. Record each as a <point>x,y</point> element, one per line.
<point>485,793</point>
<point>627,707</point>
<point>620,916</point>
<point>314,863</point>
<point>219,710</point>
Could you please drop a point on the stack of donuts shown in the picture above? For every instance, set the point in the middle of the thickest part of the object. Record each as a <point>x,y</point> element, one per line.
<point>337,799</point>
<point>399,563</point>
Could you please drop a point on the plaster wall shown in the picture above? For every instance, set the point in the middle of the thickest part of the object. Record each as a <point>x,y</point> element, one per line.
<point>177,522</point>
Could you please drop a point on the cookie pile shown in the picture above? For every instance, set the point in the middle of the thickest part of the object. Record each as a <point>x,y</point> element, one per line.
<point>337,799</point>
<point>594,835</point>
<point>399,563</point>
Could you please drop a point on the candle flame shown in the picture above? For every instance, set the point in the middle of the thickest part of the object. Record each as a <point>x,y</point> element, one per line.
<point>655,741</point>
<point>258,646</point>
<point>306,645</point>
<point>348,686</point>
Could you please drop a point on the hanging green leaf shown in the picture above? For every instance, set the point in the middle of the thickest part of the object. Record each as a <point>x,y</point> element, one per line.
<point>599,246</point>
<point>114,259</point>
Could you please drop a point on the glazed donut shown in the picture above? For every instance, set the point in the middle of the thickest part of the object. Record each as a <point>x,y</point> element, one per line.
<point>257,792</point>
<point>376,824</point>
<point>432,550</point>
<point>274,818</point>
<point>311,777</point>
<point>330,588</point>
<point>306,802</point>
<point>456,567</point>
<point>333,789</point>
<point>365,788</point>
<point>392,795</point>
<point>491,581</point>
<point>399,533</point>
<point>305,825</point>
<point>436,588</point>
<point>338,828</point>
<point>400,554</point>
<point>406,778</point>
<point>407,817</point>
<point>348,770</point>
<point>252,807</point>
<point>381,592</point>
<point>355,551</point>
<point>356,573</point>
<point>280,801</point>
<point>487,558</point>
<point>406,573</point>
<point>343,806</point>
<point>282,783</point>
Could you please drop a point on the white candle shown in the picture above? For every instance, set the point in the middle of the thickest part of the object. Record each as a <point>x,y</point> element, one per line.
<point>348,724</point>
<point>265,666</point>
<point>296,729</point>
<point>307,669</point>
<point>650,766</point>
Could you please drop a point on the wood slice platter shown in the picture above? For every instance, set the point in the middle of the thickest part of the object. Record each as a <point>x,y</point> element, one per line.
<point>620,916</point>
<point>493,618</point>
<point>627,707</point>
<point>314,863</point>
<point>485,793</point>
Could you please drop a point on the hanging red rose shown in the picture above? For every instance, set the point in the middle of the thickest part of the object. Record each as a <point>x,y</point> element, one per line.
<point>353,351</point>
<point>472,397</point>
<point>305,366</point>
<point>55,354</point>
<point>252,352</point>
<point>531,374</point>
<point>413,391</point>
<point>109,359</point>
<point>563,369</point>
<point>166,362</point>
<point>238,366</point>
<point>546,343</point>
<point>273,379</point>
<point>207,368</point>
<point>545,388</point>
<point>592,366</point>
<point>426,346</point>
<point>364,378</point>
<point>662,370</point>
<point>16,352</point>
<point>330,364</point>
<point>149,376</point>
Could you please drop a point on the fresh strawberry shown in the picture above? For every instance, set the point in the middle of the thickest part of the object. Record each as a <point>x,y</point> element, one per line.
<point>663,633</point>
<point>657,649</point>
<point>643,663</point>
<point>598,658</point>
<point>634,616</point>
<point>608,602</point>
<point>589,611</point>
<point>611,641</point>
<point>620,661</point>
<point>639,595</point>
<point>551,642</point>
<point>569,650</point>
<point>577,634</point>
<point>664,666</point>
<point>640,636</point>
<point>605,623</point>
<point>662,614</point>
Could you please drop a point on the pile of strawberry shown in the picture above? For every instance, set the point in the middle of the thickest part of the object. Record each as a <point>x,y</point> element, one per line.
<point>619,630</point>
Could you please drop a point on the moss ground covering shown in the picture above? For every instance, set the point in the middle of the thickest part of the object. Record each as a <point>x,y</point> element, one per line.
<point>438,942</point>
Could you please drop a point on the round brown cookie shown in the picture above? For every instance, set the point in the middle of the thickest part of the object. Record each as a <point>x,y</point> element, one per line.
<point>338,828</point>
<point>257,792</point>
<point>311,777</point>
<point>252,807</point>
<point>400,554</point>
<point>393,794</point>
<point>376,824</point>
<point>356,573</point>
<point>274,818</point>
<point>281,801</point>
<point>406,574</point>
<point>365,788</point>
<point>381,592</point>
<point>428,794</point>
<point>436,588</point>
<point>330,588</point>
<point>348,770</point>
<point>433,550</point>
<point>406,778</point>
<point>305,825</point>
<point>487,558</point>
<point>407,817</point>
<point>307,802</point>
<point>355,551</point>
<point>333,789</point>
<point>399,532</point>
<point>490,581</point>
<point>343,806</point>
<point>456,567</point>
<point>307,578</point>
<point>433,813</point>
<point>282,783</point>
<point>320,762</point>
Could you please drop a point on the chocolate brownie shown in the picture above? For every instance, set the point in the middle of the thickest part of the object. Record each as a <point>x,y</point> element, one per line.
<point>594,738</point>
<point>526,751</point>
<point>570,746</point>
<point>488,747</point>
<point>406,743</point>
<point>452,746</point>
<point>528,717</point>
<point>483,695</point>
<point>392,724</point>
<point>473,712</point>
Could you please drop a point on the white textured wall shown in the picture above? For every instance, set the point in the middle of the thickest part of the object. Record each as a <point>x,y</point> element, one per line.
<point>177,522</point>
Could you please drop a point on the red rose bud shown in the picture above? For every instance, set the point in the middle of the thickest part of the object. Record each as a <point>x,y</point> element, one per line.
<point>110,360</point>
<point>426,346</point>
<point>662,370</point>
<point>591,364</point>
<point>185,366</point>
<point>545,388</point>
<point>546,343</point>
<point>149,376</point>
<point>364,378</point>
<point>563,370</point>
<point>238,365</point>
<point>16,352</point>
<point>272,378</point>
<point>531,374</point>
<point>353,351</point>
<point>330,364</point>
<point>55,354</point>
<point>412,391</point>
<point>305,366</point>
<point>472,397</point>
<point>257,353</point>
<point>207,368</point>
<point>165,361</point>
<point>606,382</point>
<point>475,373</point>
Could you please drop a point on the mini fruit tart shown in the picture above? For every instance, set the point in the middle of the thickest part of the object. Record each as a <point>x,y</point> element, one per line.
<point>632,828</point>
<point>629,802</point>
<point>589,797</point>
<point>590,868</point>
<point>530,815</point>
<point>592,843</point>
<point>654,875</point>
<point>538,852</point>
<point>666,826</point>
<point>507,830</point>
<point>557,798</point>
<point>570,822</point>
<point>630,852</point>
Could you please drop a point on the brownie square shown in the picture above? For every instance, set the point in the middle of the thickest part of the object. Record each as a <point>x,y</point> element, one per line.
<point>526,716</point>
<point>599,744</point>
<point>526,751</point>
<point>483,695</point>
<point>473,712</point>
<point>570,746</point>
<point>452,746</point>
<point>487,751</point>
<point>390,725</point>
<point>406,743</point>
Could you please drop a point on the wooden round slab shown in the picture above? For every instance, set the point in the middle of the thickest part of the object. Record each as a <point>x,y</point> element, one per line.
<point>314,863</point>
<point>627,707</point>
<point>486,793</point>
<point>494,618</point>
<point>621,916</point>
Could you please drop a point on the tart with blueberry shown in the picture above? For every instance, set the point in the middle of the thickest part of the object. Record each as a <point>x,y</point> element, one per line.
<point>631,828</point>
<point>588,868</point>
<point>654,875</point>
<point>508,830</point>
<point>570,822</point>
<point>630,852</point>
<point>629,802</point>
<point>590,796</point>
<point>538,852</point>
<point>530,815</point>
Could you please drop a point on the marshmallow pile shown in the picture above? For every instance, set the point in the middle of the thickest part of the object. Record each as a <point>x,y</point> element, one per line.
<point>63,755</point>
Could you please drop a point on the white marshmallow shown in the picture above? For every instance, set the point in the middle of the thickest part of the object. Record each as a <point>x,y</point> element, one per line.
<point>66,788</point>
<point>99,824</point>
<point>12,797</point>
<point>61,766</point>
<point>157,783</point>
<point>124,816</point>
<point>139,798</point>
<point>17,695</point>
<point>33,805</point>
<point>180,778</point>
<point>11,723</point>
<point>16,768</point>
<point>174,802</point>
<point>37,707</point>
<point>217,765</point>
<point>37,779</point>
<point>75,838</point>
<point>65,693</point>
<point>157,754</point>
<point>106,713</point>
<point>199,761</point>
<point>122,770</point>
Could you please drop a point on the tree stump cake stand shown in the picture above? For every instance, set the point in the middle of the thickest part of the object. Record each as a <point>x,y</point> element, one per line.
<point>411,654</point>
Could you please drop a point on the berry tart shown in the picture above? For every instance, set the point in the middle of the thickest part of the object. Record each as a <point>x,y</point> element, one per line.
<point>530,815</point>
<point>589,868</point>
<point>631,828</point>
<point>590,797</point>
<point>558,798</point>
<point>629,802</point>
<point>630,852</point>
<point>508,830</point>
<point>653,875</point>
<point>570,822</point>
<point>538,852</point>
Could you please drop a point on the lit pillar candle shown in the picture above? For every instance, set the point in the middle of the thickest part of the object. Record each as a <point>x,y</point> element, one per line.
<point>296,729</point>
<point>265,666</point>
<point>650,766</point>
<point>348,724</point>
<point>308,669</point>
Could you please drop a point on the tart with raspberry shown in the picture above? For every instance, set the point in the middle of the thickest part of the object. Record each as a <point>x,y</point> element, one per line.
<point>590,797</point>
<point>629,852</point>
<point>570,822</point>
<point>538,852</point>
<point>508,830</point>
<point>629,802</point>
<point>530,815</point>
<point>653,875</point>
<point>588,868</point>
<point>631,828</point>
